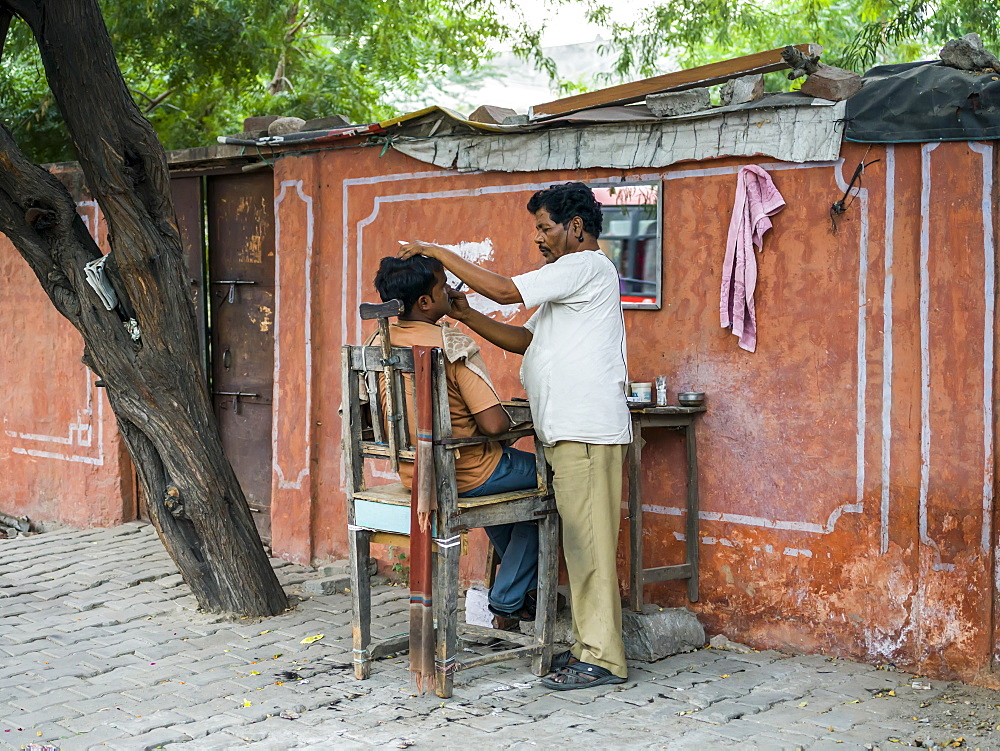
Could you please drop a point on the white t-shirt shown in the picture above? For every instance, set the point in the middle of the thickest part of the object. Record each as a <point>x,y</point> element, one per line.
<point>574,371</point>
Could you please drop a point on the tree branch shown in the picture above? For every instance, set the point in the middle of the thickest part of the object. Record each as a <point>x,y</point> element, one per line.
<point>39,216</point>
<point>5,18</point>
<point>154,103</point>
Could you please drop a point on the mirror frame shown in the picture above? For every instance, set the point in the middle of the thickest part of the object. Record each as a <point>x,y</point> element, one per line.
<point>658,184</point>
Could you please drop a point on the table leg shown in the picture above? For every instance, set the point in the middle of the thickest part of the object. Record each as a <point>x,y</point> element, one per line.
<point>692,530</point>
<point>636,573</point>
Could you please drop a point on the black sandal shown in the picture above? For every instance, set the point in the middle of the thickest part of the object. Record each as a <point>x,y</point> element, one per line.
<point>580,675</point>
<point>562,660</point>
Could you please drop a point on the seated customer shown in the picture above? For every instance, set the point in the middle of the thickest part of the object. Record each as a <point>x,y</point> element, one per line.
<point>480,469</point>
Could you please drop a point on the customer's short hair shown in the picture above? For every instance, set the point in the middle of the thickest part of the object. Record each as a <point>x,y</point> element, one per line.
<point>567,200</point>
<point>406,280</point>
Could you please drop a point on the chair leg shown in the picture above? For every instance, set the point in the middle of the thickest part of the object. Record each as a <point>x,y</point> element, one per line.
<point>361,601</point>
<point>548,579</point>
<point>446,601</point>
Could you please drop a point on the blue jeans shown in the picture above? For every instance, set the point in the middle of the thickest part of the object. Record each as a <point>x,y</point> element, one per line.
<point>516,544</point>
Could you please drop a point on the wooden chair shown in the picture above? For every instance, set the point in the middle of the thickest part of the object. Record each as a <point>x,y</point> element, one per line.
<point>382,513</point>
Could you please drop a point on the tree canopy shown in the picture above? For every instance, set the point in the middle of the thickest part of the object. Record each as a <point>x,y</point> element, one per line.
<point>855,33</point>
<point>196,68</point>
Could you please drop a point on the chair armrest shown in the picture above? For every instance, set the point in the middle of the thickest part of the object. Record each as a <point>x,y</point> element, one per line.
<point>525,429</point>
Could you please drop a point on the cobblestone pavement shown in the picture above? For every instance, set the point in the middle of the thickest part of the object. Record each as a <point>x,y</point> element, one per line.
<point>101,646</point>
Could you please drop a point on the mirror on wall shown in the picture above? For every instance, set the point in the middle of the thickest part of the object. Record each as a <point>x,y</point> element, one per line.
<point>632,238</point>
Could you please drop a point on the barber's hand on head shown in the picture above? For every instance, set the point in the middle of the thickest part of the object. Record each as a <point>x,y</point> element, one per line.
<point>459,304</point>
<point>410,249</point>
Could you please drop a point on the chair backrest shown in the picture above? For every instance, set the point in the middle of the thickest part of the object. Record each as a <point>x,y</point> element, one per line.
<point>365,430</point>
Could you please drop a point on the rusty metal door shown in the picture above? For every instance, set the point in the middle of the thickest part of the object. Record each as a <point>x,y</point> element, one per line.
<point>240,214</point>
<point>188,205</point>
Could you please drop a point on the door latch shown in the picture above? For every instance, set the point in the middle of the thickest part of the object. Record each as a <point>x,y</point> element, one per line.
<point>231,297</point>
<point>237,395</point>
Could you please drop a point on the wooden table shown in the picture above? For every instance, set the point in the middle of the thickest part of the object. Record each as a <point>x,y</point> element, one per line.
<point>675,418</point>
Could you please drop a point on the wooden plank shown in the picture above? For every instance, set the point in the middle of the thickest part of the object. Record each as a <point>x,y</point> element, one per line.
<point>374,406</point>
<point>507,654</point>
<point>370,358</point>
<point>693,522</point>
<point>351,429</point>
<point>444,460</point>
<point>548,580</point>
<point>357,539</point>
<point>668,410</point>
<point>663,420</point>
<point>484,633</point>
<point>492,563</point>
<point>394,494</point>
<point>667,573</point>
<point>446,586</point>
<point>374,450</point>
<point>393,406</point>
<point>397,427</point>
<point>636,571</point>
<point>526,509</point>
<point>703,75</point>
<point>522,432</point>
<point>391,538</point>
<point>361,601</point>
<point>490,500</point>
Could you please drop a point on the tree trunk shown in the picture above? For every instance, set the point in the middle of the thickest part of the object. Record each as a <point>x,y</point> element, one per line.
<point>155,383</point>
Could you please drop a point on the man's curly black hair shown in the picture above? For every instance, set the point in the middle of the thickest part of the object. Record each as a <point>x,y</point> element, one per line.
<point>567,200</point>
<point>406,280</point>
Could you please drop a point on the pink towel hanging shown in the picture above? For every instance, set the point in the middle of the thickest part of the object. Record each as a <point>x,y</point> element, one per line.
<point>756,200</point>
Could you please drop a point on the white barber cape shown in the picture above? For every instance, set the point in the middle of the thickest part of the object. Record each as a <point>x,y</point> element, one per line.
<point>575,370</point>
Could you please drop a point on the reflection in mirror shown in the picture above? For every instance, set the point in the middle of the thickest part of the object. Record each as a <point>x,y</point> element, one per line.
<point>632,238</point>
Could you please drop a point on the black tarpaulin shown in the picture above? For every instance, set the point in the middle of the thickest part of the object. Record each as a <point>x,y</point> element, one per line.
<point>927,101</point>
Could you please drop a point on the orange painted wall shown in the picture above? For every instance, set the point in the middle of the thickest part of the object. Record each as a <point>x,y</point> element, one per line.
<point>846,467</point>
<point>803,545</point>
<point>61,458</point>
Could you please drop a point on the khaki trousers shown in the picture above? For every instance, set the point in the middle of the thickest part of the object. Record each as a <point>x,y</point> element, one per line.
<point>588,488</point>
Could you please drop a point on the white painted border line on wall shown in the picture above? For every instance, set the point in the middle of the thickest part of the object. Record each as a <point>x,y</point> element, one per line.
<point>345,229</point>
<point>925,356</point>
<point>862,195</point>
<point>78,428</point>
<point>307,200</point>
<point>989,293</point>
<point>890,229</point>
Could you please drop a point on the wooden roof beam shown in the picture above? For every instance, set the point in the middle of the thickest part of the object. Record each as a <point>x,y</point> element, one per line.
<point>703,75</point>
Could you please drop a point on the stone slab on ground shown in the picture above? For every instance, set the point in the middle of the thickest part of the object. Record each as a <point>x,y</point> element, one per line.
<point>660,632</point>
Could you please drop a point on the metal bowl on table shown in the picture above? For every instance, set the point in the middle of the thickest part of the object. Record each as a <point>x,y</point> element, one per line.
<point>691,398</point>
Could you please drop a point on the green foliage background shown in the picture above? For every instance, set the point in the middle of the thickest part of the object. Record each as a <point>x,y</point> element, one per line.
<point>198,67</point>
<point>855,33</point>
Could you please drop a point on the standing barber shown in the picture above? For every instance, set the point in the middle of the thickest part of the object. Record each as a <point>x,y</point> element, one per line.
<point>574,374</point>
